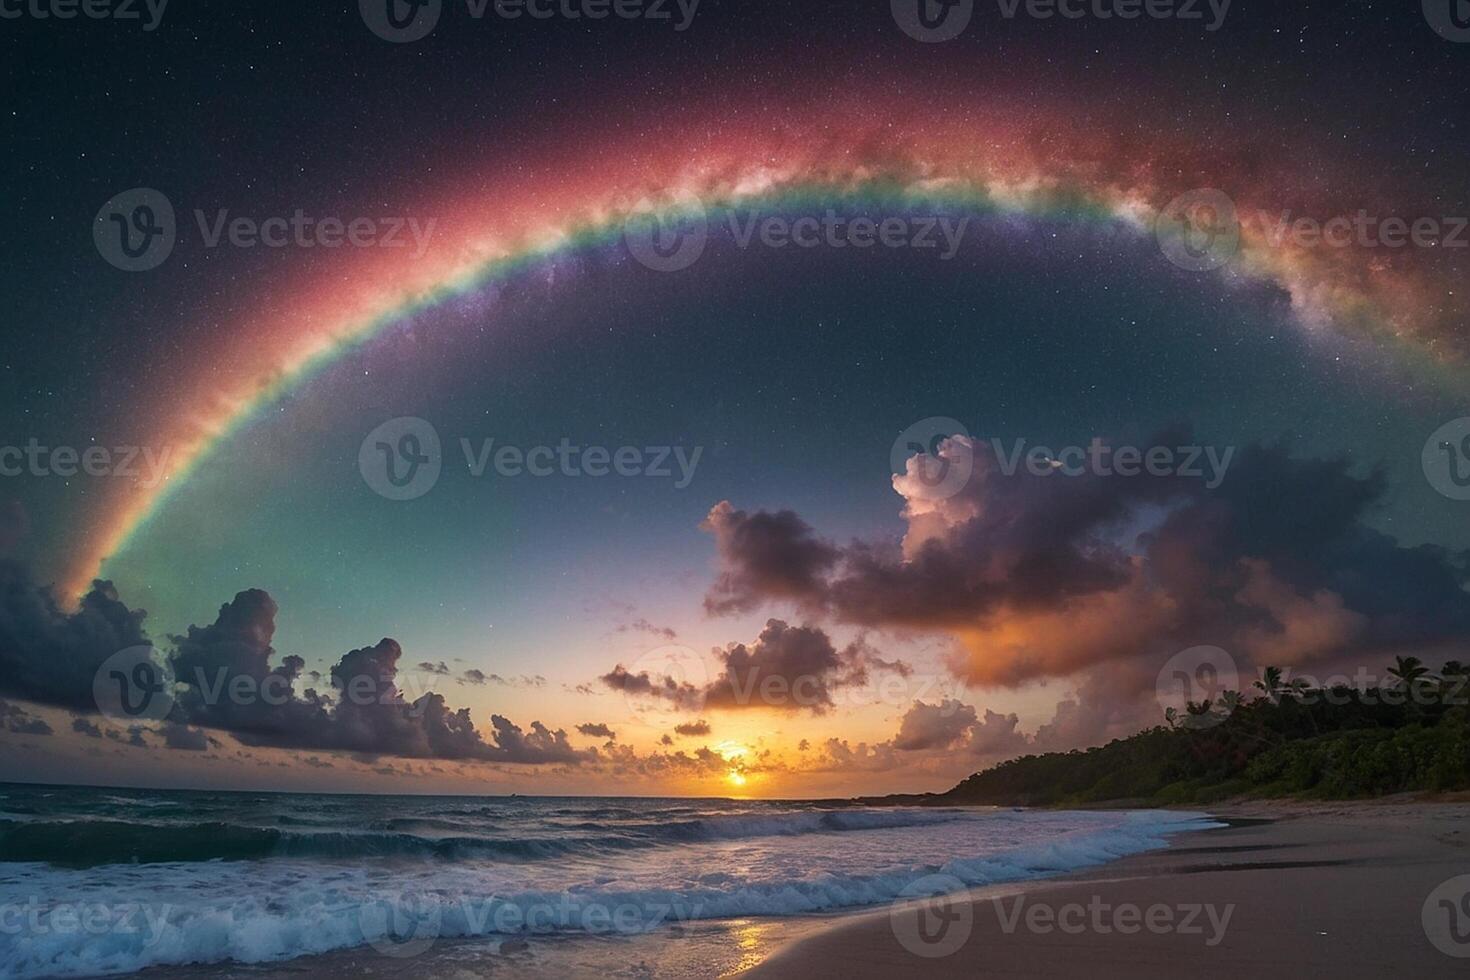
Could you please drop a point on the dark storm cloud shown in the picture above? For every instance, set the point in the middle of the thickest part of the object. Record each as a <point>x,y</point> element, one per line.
<point>50,657</point>
<point>230,679</point>
<point>692,729</point>
<point>766,556</point>
<point>82,726</point>
<point>793,668</point>
<point>597,730</point>
<point>1050,575</point>
<point>365,713</point>
<point>786,668</point>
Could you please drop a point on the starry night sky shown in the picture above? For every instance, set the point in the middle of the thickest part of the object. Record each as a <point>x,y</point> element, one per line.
<point>794,370</point>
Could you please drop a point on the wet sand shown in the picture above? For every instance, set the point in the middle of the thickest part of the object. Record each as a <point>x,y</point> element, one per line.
<point>1289,890</point>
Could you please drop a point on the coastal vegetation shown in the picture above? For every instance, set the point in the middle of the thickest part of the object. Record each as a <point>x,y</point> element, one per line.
<point>1283,738</point>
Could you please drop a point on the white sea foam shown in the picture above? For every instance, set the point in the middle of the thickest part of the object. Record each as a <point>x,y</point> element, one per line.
<point>781,864</point>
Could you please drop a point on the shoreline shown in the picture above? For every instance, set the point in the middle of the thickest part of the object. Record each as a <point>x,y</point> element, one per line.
<point>1295,888</point>
<point>1309,887</point>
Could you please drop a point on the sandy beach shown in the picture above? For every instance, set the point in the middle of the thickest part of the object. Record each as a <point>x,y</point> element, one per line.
<point>1289,890</point>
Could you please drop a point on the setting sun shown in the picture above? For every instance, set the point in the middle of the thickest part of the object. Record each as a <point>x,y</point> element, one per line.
<point>735,778</point>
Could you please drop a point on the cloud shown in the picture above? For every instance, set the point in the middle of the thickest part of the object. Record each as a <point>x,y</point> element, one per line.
<point>134,736</point>
<point>17,722</point>
<point>597,730</point>
<point>765,556</point>
<point>643,684</point>
<point>50,657</point>
<point>644,626</point>
<point>790,668</point>
<point>786,668</point>
<point>231,679</point>
<point>82,726</point>
<point>1052,576</point>
<point>937,726</point>
<point>692,729</point>
<point>184,738</point>
<point>475,676</point>
<point>431,668</point>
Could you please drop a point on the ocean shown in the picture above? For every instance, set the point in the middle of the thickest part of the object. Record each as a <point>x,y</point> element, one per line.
<point>109,881</point>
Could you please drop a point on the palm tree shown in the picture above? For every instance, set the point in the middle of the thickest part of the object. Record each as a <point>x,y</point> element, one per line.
<point>1408,671</point>
<point>1199,714</point>
<point>1453,668</point>
<point>1270,682</point>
